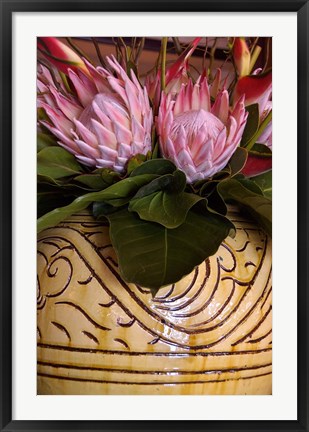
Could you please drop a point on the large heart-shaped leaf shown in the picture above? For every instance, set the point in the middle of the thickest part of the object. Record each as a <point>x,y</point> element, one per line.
<point>258,206</point>
<point>154,166</point>
<point>167,209</point>
<point>172,183</point>
<point>264,181</point>
<point>152,256</point>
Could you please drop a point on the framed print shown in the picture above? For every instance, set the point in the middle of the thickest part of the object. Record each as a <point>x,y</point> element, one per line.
<point>146,150</point>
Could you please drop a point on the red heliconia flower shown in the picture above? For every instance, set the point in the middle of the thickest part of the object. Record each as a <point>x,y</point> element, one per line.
<point>242,57</point>
<point>257,88</point>
<point>60,55</point>
<point>175,76</point>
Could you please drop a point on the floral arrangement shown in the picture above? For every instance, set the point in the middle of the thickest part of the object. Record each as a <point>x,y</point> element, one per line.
<point>158,156</point>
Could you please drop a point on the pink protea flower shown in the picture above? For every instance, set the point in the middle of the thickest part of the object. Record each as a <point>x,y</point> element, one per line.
<point>198,137</point>
<point>104,121</point>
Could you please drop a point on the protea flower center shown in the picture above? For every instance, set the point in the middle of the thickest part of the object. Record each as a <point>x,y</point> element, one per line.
<point>99,106</point>
<point>201,127</point>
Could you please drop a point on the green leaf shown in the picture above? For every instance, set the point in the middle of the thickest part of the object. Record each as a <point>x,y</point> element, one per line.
<point>92,181</point>
<point>99,179</point>
<point>56,163</point>
<point>135,162</point>
<point>262,127</point>
<point>216,203</point>
<point>258,206</point>
<point>261,150</point>
<point>249,184</point>
<point>238,160</point>
<point>121,191</point>
<point>155,166</point>
<point>101,209</point>
<point>264,181</point>
<point>167,209</point>
<point>153,256</point>
<point>155,152</point>
<point>175,182</point>
<point>252,124</point>
<point>45,140</point>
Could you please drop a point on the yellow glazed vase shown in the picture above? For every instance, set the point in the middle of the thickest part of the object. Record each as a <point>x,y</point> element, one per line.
<point>210,333</point>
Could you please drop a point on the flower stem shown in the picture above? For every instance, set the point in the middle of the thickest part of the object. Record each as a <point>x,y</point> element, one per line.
<point>258,133</point>
<point>77,49</point>
<point>254,57</point>
<point>163,61</point>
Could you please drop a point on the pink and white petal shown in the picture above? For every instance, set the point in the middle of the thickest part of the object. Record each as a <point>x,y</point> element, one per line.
<point>221,107</point>
<point>69,108</point>
<point>45,97</point>
<point>180,140</point>
<point>206,168</point>
<point>87,150</point>
<point>122,133</point>
<point>204,153</point>
<point>180,102</point>
<point>190,171</point>
<point>232,129</point>
<point>132,102</point>
<point>168,149</point>
<point>69,149</point>
<point>198,140</point>
<point>204,96</point>
<point>86,134</point>
<point>103,163</point>
<point>188,96</point>
<point>239,111</point>
<point>104,136</point>
<point>99,78</point>
<point>108,153</point>
<point>239,133</point>
<point>184,158</point>
<point>138,131</point>
<point>102,117</point>
<point>86,160</point>
<point>68,142</point>
<point>57,117</point>
<point>120,162</point>
<point>118,168</point>
<point>115,113</point>
<point>138,147</point>
<point>225,157</point>
<point>195,100</point>
<point>118,87</point>
<point>215,86</point>
<point>124,150</point>
<point>85,93</point>
<point>219,144</point>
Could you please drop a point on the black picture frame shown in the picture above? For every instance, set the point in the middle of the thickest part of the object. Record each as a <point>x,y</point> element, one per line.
<point>8,8</point>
